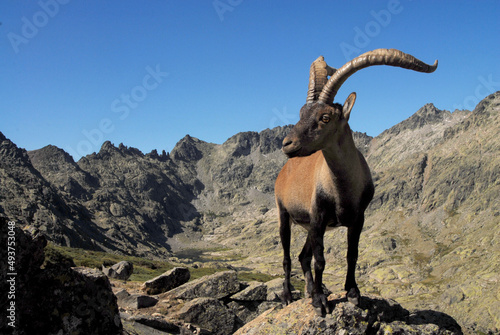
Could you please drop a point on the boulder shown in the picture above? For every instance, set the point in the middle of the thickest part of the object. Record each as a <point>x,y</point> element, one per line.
<point>167,281</point>
<point>375,315</point>
<point>121,270</point>
<point>218,286</point>
<point>122,294</point>
<point>57,299</point>
<point>135,301</point>
<point>209,314</point>
<point>256,291</point>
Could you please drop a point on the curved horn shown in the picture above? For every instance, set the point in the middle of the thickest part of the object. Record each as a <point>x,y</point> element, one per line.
<point>390,57</point>
<point>318,75</point>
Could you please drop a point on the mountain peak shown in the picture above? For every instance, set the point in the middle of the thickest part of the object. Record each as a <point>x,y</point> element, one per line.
<point>186,149</point>
<point>109,148</point>
<point>50,153</point>
<point>426,115</point>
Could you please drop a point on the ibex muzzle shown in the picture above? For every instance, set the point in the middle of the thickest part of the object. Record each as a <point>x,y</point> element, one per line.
<point>326,182</point>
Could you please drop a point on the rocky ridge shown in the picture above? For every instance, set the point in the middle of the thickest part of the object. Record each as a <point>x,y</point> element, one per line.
<point>221,304</point>
<point>424,243</point>
<point>254,308</point>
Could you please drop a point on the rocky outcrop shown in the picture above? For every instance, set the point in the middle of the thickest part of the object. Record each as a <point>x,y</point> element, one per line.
<point>374,315</point>
<point>256,309</point>
<point>56,299</point>
<point>215,304</point>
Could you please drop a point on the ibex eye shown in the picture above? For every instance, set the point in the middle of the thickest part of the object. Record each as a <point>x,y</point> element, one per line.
<point>325,118</point>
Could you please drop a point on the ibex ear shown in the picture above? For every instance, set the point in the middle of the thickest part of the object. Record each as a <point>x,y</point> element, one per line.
<point>348,104</point>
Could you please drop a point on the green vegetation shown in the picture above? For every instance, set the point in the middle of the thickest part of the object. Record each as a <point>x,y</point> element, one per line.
<point>254,276</point>
<point>144,269</point>
<point>201,272</point>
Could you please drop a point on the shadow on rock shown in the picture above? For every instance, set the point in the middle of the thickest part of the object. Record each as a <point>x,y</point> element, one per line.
<point>374,315</point>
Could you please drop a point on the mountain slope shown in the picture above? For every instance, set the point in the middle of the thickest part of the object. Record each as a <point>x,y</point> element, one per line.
<point>438,212</point>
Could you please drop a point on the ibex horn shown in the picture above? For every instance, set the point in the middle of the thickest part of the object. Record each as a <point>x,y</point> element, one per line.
<point>318,76</point>
<point>390,57</point>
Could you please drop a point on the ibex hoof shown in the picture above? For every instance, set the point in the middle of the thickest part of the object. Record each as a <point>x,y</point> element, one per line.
<point>319,311</point>
<point>286,298</point>
<point>321,304</point>
<point>353,296</point>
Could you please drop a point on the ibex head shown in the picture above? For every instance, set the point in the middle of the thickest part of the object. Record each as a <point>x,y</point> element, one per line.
<point>323,122</point>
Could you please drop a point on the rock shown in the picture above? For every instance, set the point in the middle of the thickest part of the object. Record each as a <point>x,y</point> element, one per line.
<point>57,299</point>
<point>156,322</point>
<point>208,313</point>
<point>167,281</point>
<point>136,301</point>
<point>218,286</point>
<point>131,327</point>
<point>275,290</point>
<point>375,315</point>
<point>246,311</point>
<point>121,270</point>
<point>122,294</point>
<point>256,291</point>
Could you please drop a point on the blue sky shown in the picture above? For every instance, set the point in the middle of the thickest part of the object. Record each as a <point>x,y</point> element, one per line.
<point>77,73</point>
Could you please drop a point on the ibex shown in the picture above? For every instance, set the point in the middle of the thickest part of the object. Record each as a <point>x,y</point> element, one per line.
<point>326,183</point>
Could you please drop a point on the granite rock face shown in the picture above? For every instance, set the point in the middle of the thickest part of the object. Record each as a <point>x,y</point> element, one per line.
<point>56,299</point>
<point>375,315</point>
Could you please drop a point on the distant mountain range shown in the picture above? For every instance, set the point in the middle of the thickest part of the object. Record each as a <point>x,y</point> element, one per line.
<point>432,235</point>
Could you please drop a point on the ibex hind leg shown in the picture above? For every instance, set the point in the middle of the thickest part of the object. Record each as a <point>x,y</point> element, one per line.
<point>285,234</point>
<point>353,233</point>
<point>305,259</point>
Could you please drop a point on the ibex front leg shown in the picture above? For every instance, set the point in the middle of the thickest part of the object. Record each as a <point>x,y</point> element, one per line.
<point>285,234</point>
<point>353,233</point>
<point>319,299</point>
